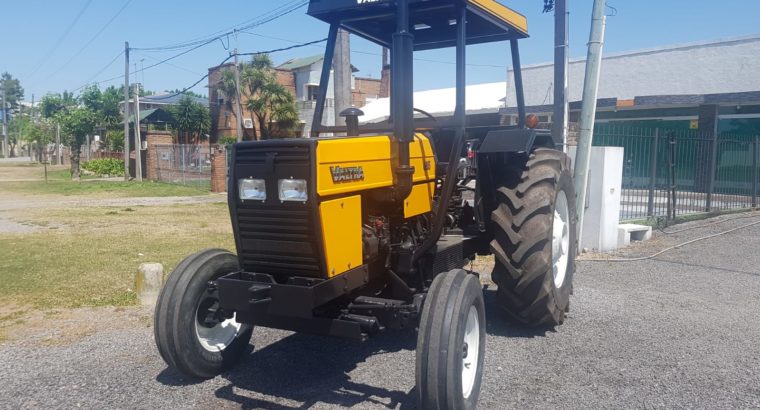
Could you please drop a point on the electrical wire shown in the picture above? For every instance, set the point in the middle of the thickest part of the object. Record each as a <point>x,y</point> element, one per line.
<point>166,60</point>
<point>95,37</point>
<point>680,245</point>
<point>186,89</point>
<point>92,78</point>
<point>267,17</point>
<point>58,43</point>
<point>178,67</point>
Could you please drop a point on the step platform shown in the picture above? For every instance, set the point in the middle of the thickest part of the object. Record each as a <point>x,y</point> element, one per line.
<point>628,233</point>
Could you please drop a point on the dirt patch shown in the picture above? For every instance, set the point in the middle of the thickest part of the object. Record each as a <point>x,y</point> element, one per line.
<point>24,172</point>
<point>57,327</point>
<point>10,226</point>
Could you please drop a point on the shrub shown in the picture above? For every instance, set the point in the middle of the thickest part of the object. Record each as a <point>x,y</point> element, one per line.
<point>106,166</point>
<point>227,140</point>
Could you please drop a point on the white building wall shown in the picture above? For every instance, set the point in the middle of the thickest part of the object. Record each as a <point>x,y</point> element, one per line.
<point>701,68</point>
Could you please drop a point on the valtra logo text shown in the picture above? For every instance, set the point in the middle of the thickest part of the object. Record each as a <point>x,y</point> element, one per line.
<point>347,174</point>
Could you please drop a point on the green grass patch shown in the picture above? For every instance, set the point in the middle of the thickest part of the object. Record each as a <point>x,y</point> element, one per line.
<point>105,188</point>
<point>93,258</point>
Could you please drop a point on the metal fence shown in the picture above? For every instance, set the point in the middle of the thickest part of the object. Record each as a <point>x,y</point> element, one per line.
<point>184,164</point>
<point>669,173</point>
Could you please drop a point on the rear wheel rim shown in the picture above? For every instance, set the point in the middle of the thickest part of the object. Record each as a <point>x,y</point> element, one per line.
<point>560,239</point>
<point>218,337</point>
<point>471,351</point>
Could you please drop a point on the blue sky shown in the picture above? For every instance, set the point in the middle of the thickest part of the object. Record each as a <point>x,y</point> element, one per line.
<point>41,50</point>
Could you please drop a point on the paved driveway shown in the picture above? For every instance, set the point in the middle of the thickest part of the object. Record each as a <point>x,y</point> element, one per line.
<point>678,331</point>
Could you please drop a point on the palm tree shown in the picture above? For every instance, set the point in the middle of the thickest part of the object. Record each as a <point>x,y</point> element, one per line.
<point>192,119</point>
<point>270,103</point>
<point>273,106</point>
<point>228,87</point>
<point>254,76</point>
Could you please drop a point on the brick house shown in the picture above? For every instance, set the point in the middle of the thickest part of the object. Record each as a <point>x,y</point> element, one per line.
<point>301,77</point>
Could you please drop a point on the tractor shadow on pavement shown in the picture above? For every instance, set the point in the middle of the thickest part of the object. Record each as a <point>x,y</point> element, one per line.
<point>300,371</point>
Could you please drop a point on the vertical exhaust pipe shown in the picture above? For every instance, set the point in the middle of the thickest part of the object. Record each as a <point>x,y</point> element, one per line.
<point>559,122</point>
<point>402,100</point>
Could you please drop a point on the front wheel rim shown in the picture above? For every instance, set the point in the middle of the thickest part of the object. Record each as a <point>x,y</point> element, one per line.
<point>218,337</point>
<point>471,351</point>
<point>560,239</point>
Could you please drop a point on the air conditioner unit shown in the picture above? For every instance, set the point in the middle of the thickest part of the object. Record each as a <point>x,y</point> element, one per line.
<point>247,123</point>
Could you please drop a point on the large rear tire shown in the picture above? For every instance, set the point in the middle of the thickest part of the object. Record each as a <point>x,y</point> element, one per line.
<point>191,334</point>
<point>451,343</point>
<point>534,228</point>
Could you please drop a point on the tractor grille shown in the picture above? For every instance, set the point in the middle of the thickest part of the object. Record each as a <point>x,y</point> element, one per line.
<point>278,240</point>
<point>275,237</point>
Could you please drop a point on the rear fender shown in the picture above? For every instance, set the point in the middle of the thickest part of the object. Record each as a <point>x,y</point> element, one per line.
<point>520,140</point>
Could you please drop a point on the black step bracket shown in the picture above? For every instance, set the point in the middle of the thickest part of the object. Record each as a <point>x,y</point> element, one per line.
<point>390,313</point>
<point>261,294</point>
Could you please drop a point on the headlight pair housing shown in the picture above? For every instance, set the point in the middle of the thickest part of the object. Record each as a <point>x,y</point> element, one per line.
<point>290,190</point>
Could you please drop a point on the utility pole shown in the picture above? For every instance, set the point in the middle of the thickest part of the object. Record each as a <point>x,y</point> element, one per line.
<point>588,112</point>
<point>138,138</point>
<point>58,156</point>
<point>126,111</point>
<point>238,104</point>
<point>342,75</point>
<point>5,125</point>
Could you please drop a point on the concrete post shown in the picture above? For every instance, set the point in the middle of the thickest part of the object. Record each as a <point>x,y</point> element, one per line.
<point>148,283</point>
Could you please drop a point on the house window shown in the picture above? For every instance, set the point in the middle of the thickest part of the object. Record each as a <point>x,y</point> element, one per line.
<point>312,91</point>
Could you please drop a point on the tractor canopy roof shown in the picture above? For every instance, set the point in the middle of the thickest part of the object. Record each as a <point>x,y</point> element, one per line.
<point>433,22</point>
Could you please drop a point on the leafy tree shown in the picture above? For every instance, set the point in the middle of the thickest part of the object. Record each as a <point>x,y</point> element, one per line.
<point>92,98</point>
<point>115,141</point>
<point>13,90</point>
<point>106,106</point>
<point>110,108</point>
<point>76,124</point>
<point>191,118</point>
<point>38,136</point>
<point>54,104</point>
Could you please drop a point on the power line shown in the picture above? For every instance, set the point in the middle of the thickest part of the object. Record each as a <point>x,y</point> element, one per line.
<point>178,67</point>
<point>272,15</point>
<point>196,45</point>
<point>186,89</point>
<point>95,37</point>
<point>60,39</point>
<point>166,60</point>
<point>106,67</point>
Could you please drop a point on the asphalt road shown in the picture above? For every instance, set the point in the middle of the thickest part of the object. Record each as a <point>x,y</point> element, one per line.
<point>679,331</point>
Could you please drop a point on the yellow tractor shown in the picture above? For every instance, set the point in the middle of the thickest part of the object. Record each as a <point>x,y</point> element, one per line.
<point>350,235</point>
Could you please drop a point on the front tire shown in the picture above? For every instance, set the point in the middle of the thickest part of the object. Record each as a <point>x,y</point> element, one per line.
<point>451,343</point>
<point>191,334</point>
<point>535,240</point>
